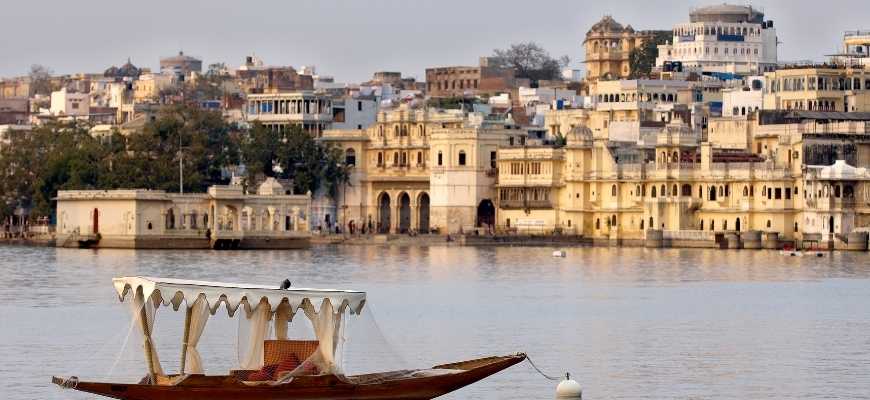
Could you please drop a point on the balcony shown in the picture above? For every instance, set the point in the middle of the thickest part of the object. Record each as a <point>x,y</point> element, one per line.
<point>523,204</point>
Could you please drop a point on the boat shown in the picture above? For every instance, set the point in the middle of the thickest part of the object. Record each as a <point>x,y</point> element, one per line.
<point>790,251</point>
<point>311,368</point>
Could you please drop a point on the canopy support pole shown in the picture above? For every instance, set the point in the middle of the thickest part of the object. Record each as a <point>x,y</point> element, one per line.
<point>187,316</point>
<point>146,334</point>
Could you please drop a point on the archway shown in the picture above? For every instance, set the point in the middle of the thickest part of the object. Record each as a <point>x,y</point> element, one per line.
<point>737,224</point>
<point>404,213</point>
<point>384,213</point>
<point>485,213</point>
<point>831,224</point>
<point>423,213</point>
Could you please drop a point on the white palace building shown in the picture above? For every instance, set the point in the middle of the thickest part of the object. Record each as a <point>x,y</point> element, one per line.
<point>723,38</point>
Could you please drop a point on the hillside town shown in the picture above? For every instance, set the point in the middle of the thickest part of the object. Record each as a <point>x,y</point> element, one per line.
<point>693,135</point>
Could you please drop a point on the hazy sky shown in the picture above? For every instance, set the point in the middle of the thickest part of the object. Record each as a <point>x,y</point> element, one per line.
<point>350,39</point>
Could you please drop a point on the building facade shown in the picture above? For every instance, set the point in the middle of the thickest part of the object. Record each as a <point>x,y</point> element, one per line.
<point>786,177</point>
<point>723,38</point>
<point>224,217</point>
<point>180,65</point>
<point>421,170</point>
<point>279,110</point>
<point>818,88</point>
<point>608,46</point>
<point>459,81</point>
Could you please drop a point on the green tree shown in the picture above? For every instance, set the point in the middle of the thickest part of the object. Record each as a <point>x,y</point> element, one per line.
<point>642,59</point>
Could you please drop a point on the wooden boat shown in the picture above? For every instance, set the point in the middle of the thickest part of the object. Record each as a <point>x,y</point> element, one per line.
<point>391,385</point>
<point>318,377</point>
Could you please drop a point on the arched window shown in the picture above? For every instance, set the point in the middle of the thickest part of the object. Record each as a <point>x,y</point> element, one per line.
<point>663,191</point>
<point>380,158</point>
<point>419,158</point>
<point>768,223</point>
<point>440,159</point>
<point>350,157</point>
<point>674,190</point>
<point>396,158</point>
<point>461,157</point>
<point>598,223</point>
<point>653,191</point>
<point>613,190</point>
<point>745,191</point>
<point>613,220</point>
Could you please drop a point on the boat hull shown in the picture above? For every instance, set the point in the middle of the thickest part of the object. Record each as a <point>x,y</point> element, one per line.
<point>200,387</point>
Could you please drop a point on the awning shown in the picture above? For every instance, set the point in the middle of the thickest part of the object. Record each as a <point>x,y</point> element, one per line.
<point>175,291</point>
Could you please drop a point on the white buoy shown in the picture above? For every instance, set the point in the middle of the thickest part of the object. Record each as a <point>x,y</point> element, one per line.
<point>559,253</point>
<point>569,389</point>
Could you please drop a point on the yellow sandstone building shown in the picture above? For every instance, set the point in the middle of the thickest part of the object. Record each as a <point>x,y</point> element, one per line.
<point>421,170</point>
<point>753,181</point>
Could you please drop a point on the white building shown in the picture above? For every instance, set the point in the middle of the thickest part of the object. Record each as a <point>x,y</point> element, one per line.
<point>224,217</point>
<point>739,101</point>
<point>279,110</point>
<point>723,38</point>
<point>354,113</point>
<point>64,103</point>
<point>531,96</point>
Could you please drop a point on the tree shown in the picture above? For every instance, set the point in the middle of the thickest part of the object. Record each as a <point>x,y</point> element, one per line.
<point>293,154</point>
<point>40,79</point>
<point>642,59</point>
<point>530,61</point>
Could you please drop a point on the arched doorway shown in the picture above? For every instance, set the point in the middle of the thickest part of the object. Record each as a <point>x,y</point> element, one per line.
<point>485,213</point>
<point>831,224</point>
<point>423,211</point>
<point>737,224</point>
<point>384,213</point>
<point>404,213</point>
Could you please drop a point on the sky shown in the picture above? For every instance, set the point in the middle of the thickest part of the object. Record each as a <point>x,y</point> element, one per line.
<point>351,39</point>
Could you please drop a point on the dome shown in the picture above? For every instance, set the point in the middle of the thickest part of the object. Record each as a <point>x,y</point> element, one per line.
<point>579,136</point>
<point>606,24</point>
<point>270,187</point>
<point>125,71</point>
<point>726,13</point>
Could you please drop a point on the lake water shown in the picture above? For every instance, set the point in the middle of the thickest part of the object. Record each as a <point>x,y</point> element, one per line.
<point>628,323</point>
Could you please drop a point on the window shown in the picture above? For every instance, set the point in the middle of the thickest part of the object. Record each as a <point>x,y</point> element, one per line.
<point>613,190</point>
<point>419,158</point>
<point>350,157</point>
<point>492,159</point>
<point>380,159</point>
<point>461,157</point>
<point>778,193</point>
<point>359,106</point>
<point>440,159</point>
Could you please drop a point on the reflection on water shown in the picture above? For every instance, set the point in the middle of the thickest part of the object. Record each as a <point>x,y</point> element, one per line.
<point>628,323</point>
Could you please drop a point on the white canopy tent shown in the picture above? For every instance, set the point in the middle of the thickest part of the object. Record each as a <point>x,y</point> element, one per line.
<point>262,304</point>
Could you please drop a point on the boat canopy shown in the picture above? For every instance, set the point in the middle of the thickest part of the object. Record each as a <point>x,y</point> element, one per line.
<point>263,305</point>
<point>175,291</point>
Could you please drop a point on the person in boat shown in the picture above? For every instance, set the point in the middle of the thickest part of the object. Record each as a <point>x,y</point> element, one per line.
<point>280,368</point>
